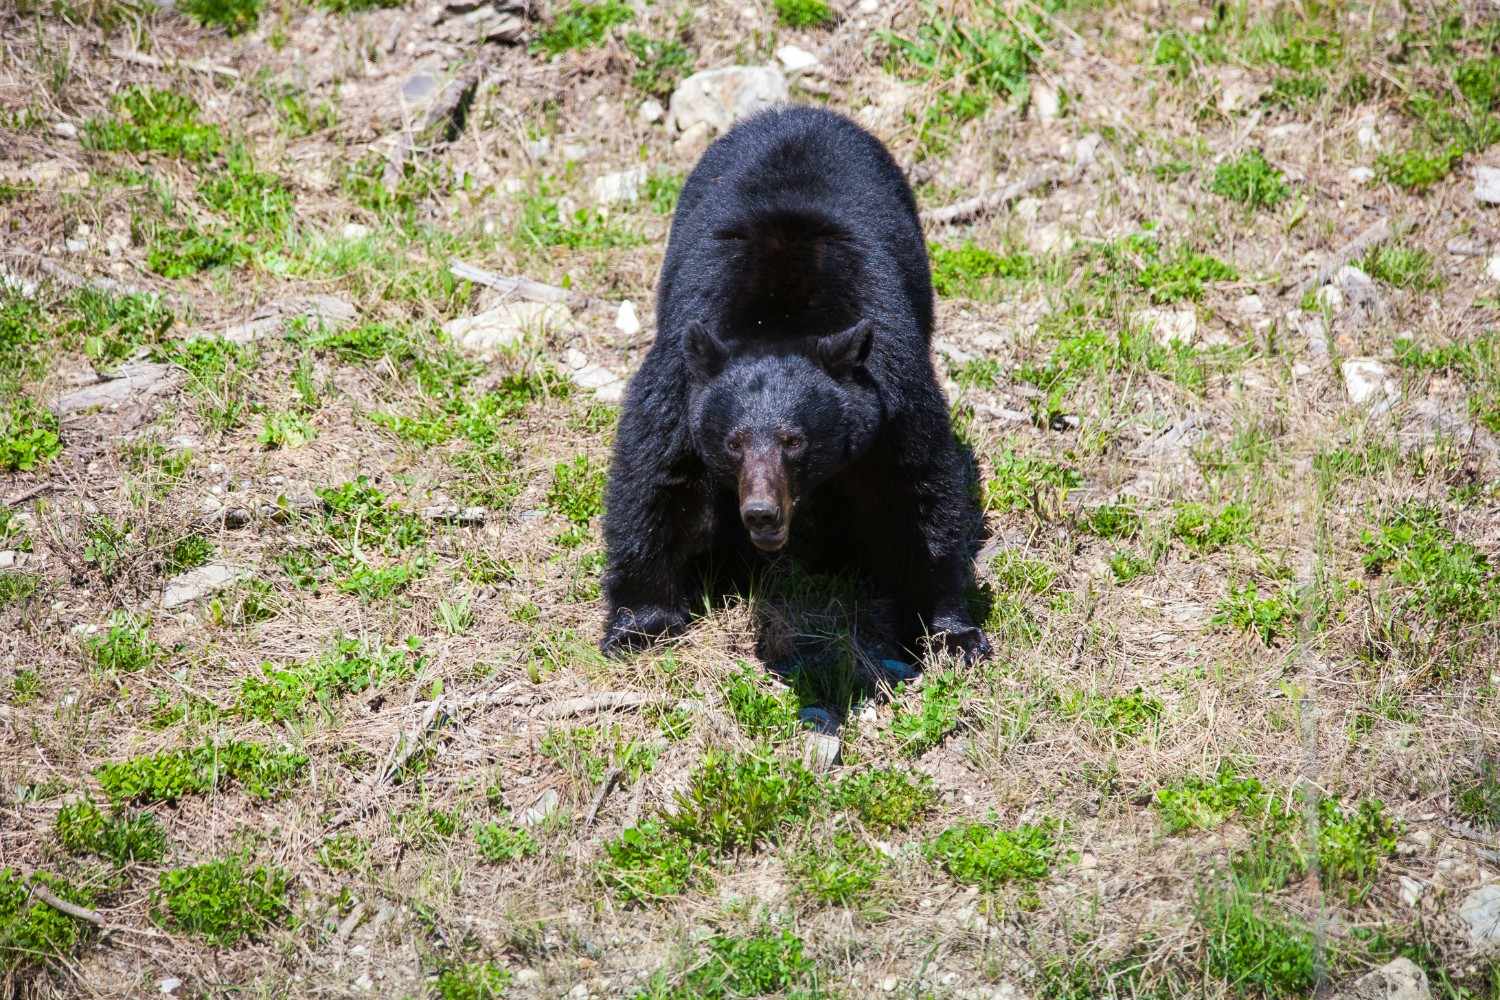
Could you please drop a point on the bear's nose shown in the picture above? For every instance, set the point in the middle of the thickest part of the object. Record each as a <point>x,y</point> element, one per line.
<point>760,515</point>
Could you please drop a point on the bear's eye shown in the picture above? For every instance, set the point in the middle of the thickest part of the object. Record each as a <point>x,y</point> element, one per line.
<point>793,444</point>
<point>734,445</point>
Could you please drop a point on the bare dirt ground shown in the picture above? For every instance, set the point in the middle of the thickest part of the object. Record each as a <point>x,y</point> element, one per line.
<point>299,579</point>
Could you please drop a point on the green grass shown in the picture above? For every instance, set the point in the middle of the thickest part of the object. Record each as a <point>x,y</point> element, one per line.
<point>82,829</point>
<point>156,121</point>
<point>255,202</point>
<point>114,327</point>
<point>989,856</point>
<point>186,251</point>
<point>171,774</point>
<point>763,964</point>
<point>1251,181</point>
<point>1447,581</point>
<point>1256,949</point>
<point>543,226</point>
<point>1126,715</point>
<point>587,752</point>
<point>472,981</point>
<point>582,26</point>
<point>577,493</point>
<point>1402,267</point>
<point>500,843</point>
<point>1476,795</point>
<point>761,712</point>
<point>124,647</point>
<point>660,63</point>
<point>887,800</point>
<point>648,863</point>
<point>28,436</point>
<point>223,902</point>
<point>1205,530</point>
<point>1183,276</point>
<point>737,802</point>
<point>1196,803</point>
<point>971,271</point>
<point>1270,618</point>
<point>17,588</point>
<point>285,430</point>
<point>32,933</point>
<point>352,666</point>
<point>917,730</point>
<point>803,13</point>
<point>1024,482</point>
<point>234,16</point>
<point>837,871</point>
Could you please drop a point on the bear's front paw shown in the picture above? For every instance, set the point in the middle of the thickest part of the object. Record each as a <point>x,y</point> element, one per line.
<point>632,629</point>
<point>966,640</point>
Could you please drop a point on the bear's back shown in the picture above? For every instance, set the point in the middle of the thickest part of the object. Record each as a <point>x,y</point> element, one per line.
<point>820,203</point>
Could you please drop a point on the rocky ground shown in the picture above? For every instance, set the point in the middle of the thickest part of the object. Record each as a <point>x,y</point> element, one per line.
<point>314,320</point>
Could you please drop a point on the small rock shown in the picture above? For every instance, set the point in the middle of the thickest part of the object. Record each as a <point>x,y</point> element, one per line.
<point>200,582</point>
<point>65,130</point>
<point>1330,297</point>
<point>1046,102</point>
<point>129,383</point>
<point>329,310</point>
<point>693,138</point>
<point>888,984</point>
<point>235,517</point>
<point>1368,136</point>
<point>1487,185</point>
<point>651,111</point>
<point>526,977</point>
<point>354,231</point>
<point>626,321</point>
<point>624,186</point>
<point>1238,90</point>
<point>1461,246</point>
<point>542,808</point>
<point>468,517</point>
<point>1249,306</point>
<point>1168,325</point>
<point>170,986</point>
<point>1369,383</point>
<point>720,97</point>
<point>819,752</point>
<point>1361,294</point>
<point>1480,911</point>
<point>579,992</point>
<point>1411,890</point>
<point>868,6</point>
<point>1361,175</point>
<point>364,983</point>
<point>1049,237</point>
<point>1400,979</point>
<point>796,59</point>
<point>1492,268</point>
<point>506,323</point>
<point>953,352</point>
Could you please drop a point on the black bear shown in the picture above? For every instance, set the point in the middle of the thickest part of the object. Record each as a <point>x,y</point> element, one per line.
<point>791,374</point>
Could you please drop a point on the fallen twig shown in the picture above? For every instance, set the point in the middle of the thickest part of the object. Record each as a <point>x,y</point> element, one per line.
<point>402,751</point>
<point>30,494</point>
<point>447,112</point>
<point>142,59</point>
<point>610,778</point>
<point>606,702</point>
<point>71,909</point>
<point>973,208</point>
<point>1374,234</point>
<point>521,288</point>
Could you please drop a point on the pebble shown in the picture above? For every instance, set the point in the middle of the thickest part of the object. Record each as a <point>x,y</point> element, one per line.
<point>1361,175</point>
<point>169,986</point>
<point>717,98</point>
<point>1480,912</point>
<point>1492,268</point>
<point>506,323</point>
<point>129,383</point>
<point>546,805</point>
<point>197,583</point>
<point>1368,382</point>
<point>651,111</point>
<point>1399,979</point>
<point>623,187</point>
<point>795,59</point>
<point>626,321</point>
<point>1169,325</point>
<point>1487,185</point>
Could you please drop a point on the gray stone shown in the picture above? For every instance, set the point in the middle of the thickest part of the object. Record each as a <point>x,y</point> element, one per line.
<point>820,745</point>
<point>1168,325</point>
<point>651,111</point>
<point>544,807</point>
<point>1369,383</point>
<point>467,517</point>
<point>419,88</point>
<point>796,59</point>
<point>718,98</point>
<point>624,186</point>
<point>1487,185</point>
<point>134,382</point>
<point>1461,246</point>
<point>1046,102</point>
<point>1480,912</point>
<point>200,582</point>
<point>271,320</point>
<point>1361,175</point>
<point>506,323</point>
<point>1361,295</point>
<point>626,320</point>
<point>1400,979</point>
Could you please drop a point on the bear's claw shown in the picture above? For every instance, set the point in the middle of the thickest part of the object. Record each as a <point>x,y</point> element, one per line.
<point>632,630</point>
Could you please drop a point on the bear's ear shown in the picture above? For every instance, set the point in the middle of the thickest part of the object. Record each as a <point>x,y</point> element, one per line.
<point>845,351</point>
<point>705,352</point>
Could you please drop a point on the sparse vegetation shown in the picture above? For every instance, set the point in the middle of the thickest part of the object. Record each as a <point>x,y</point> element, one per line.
<point>1251,181</point>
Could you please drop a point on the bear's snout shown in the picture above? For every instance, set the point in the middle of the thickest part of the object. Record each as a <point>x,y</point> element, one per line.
<point>765,500</point>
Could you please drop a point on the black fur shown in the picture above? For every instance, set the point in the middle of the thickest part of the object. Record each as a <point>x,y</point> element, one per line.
<point>794,314</point>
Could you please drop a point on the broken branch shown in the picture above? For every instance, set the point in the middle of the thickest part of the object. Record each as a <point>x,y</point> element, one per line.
<point>521,288</point>
<point>984,204</point>
<point>71,909</point>
<point>1374,234</point>
<point>609,701</point>
<point>610,777</point>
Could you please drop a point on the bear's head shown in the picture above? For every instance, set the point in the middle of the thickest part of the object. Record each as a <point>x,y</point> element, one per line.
<point>775,420</point>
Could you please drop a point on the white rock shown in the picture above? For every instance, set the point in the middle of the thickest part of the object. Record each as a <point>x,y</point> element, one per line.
<point>1361,175</point>
<point>129,383</point>
<point>170,986</point>
<point>200,582</point>
<point>543,807</point>
<point>575,359</point>
<point>613,393</point>
<point>796,59</point>
<point>868,6</point>
<point>1167,325</point>
<point>720,97</point>
<point>624,186</point>
<point>1361,294</point>
<point>354,231</point>
<point>1049,237</point>
<point>1027,209</point>
<point>1330,297</point>
<point>819,752</point>
<point>651,111</point>
<point>1046,102</point>
<point>1492,268</point>
<point>507,323</point>
<point>626,321</point>
<point>594,377</point>
<point>1400,979</point>
<point>1480,911</point>
<point>1238,90</point>
<point>1249,306</point>
<point>1487,185</point>
<point>65,130</point>
<point>888,984</point>
<point>1369,383</point>
<point>1368,136</point>
<point>1411,890</point>
<point>693,138</point>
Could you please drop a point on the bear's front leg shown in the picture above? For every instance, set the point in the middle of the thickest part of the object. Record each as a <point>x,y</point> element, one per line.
<point>654,534</point>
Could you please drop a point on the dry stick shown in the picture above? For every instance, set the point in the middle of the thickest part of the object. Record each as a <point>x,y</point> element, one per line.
<point>142,59</point>
<point>1374,234</point>
<point>30,494</point>
<point>973,208</point>
<point>608,701</point>
<point>71,909</point>
<point>394,762</point>
<point>521,288</point>
<point>610,777</point>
